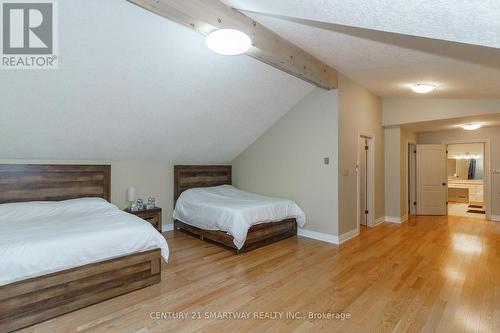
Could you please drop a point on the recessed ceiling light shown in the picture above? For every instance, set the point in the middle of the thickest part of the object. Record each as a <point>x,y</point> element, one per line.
<point>422,88</point>
<point>471,127</point>
<point>228,41</point>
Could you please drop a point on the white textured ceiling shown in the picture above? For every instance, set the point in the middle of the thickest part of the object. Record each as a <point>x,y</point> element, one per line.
<point>466,21</point>
<point>388,45</point>
<point>133,85</point>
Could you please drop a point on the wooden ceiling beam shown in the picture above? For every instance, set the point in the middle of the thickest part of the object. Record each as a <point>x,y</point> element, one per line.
<point>205,16</point>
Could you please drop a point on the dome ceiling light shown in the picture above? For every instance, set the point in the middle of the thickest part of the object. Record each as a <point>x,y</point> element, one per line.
<point>228,41</point>
<point>471,126</point>
<point>423,88</point>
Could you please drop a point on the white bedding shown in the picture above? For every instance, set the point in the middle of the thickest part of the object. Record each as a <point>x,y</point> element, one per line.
<point>228,209</point>
<point>38,238</point>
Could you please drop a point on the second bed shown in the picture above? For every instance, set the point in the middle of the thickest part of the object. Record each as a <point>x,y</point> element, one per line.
<point>209,206</point>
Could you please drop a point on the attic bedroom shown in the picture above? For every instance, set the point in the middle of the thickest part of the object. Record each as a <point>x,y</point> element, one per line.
<point>249,166</point>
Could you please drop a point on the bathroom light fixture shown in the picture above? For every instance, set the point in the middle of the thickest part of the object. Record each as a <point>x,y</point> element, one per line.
<point>423,88</point>
<point>471,126</point>
<point>228,41</point>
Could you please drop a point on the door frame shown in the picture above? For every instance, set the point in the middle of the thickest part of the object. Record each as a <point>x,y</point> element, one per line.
<point>370,190</point>
<point>411,210</point>
<point>487,190</point>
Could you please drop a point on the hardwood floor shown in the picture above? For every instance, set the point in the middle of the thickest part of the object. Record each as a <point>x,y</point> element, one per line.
<point>429,274</point>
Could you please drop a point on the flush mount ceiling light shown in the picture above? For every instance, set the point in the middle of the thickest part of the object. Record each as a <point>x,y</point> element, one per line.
<point>422,88</point>
<point>471,127</point>
<point>228,41</point>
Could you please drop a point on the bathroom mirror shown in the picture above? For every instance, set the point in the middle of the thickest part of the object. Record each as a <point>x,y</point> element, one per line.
<point>465,169</point>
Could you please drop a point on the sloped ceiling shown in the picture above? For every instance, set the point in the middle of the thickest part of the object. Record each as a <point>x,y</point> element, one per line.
<point>133,85</point>
<point>388,45</point>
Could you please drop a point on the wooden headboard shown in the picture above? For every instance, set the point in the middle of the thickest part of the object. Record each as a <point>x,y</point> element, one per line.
<point>189,176</point>
<point>53,182</point>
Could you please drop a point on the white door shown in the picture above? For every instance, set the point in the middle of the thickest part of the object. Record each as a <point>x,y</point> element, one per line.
<point>432,189</point>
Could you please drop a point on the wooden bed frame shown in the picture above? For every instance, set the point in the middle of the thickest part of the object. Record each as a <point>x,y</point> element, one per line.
<point>190,176</point>
<point>34,300</point>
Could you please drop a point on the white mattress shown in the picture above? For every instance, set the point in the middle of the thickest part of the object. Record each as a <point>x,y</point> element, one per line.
<point>38,238</point>
<point>228,209</point>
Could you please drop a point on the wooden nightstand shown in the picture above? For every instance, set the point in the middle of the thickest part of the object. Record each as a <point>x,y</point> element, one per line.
<point>153,216</point>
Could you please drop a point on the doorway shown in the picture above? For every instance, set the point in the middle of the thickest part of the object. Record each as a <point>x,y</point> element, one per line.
<point>365,170</point>
<point>465,171</point>
<point>451,179</point>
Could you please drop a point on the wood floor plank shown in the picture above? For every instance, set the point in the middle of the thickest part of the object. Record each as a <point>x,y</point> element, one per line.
<point>431,274</point>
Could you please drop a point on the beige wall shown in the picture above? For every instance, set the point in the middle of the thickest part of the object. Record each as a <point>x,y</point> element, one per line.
<point>409,110</point>
<point>406,138</point>
<point>393,172</point>
<point>493,151</point>
<point>360,111</point>
<point>287,160</point>
<point>396,171</point>
<point>151,178</point>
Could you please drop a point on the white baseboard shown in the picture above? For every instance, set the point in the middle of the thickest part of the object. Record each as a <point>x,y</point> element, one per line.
<point>378,221</point>
<point>348,235</point>
<point>167,227</point>
<point>396,219</point>
<point>495,218</point>
<point>333,239</point>
<point>318,236</point>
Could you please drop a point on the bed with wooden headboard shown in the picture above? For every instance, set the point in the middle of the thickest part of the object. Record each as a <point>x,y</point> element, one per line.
<point>52,182</point>
<point>30,301</point>
<point>192,176</point>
